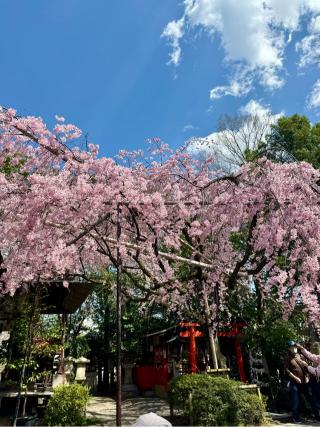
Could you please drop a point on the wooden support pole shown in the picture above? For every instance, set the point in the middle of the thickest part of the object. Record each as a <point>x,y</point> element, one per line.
<point>119,326</point>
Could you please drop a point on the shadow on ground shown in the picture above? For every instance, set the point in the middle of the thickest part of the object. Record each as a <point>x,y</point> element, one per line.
<point>104,409</point>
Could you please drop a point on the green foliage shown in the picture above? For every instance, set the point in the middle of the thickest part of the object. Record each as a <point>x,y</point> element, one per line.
<point>181,386</point>
<point>215,401</point>
<point>67,406</point>
<point>18,364</point>
<point>12,165</point>
<point>102,339</point>
<point>250,409</point>
<point>238,240</point>
<point>79,346</point>
<point>274,334</point>
<point>294,138</point>
<point>251,155</point>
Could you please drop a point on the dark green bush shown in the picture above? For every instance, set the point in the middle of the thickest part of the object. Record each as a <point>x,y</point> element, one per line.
<point>250,409</point>
<point>215,401</point>
<point>67,406</point>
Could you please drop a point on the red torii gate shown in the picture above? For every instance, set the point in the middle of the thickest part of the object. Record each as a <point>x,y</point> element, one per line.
<point>192,334</point>
<point>236,332</point>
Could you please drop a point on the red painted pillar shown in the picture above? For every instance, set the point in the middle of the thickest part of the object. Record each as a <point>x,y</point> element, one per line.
<point>242,373</point>
<point>192,350</point>
<point>191,333</point>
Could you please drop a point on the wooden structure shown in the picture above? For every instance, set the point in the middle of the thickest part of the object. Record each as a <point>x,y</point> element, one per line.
<point>234,330</point>
<point>57,299</point>
<point>52,298</point>
<point>191,333</point>
<point>182,348</point>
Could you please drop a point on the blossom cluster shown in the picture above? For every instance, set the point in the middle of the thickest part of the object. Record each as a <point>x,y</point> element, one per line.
<point>65,212</point>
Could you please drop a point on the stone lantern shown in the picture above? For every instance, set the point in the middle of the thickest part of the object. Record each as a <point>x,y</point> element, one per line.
<point>64,373</point>
<point>81,364</point>
<point>2,368</point>
<point>4,336</point>
<point>68,367</point>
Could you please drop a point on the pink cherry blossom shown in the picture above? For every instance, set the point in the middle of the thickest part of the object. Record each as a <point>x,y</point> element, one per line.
<point>59,208</point>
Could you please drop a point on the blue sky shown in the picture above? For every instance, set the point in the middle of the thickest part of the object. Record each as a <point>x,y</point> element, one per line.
<point>103,64</point>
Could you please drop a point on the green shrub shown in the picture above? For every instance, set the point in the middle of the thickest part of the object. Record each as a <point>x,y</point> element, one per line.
<point>250,409</point>
<point>181,386</point>
<point>215,401</point>
<point>67,406</point>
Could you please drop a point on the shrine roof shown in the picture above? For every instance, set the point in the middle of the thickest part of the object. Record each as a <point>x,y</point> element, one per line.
<point>60,299</point>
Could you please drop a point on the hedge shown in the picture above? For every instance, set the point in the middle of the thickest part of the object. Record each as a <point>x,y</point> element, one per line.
<point>215,401</point>
<point>67,406</point>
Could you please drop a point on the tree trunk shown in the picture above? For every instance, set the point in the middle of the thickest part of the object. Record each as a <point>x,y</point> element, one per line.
<point>27,355</point>
<point>213,351</point>
<point>260,318</point>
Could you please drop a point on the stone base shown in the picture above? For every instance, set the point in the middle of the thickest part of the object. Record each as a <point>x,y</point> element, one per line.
<point>148,393</point>
<point>58,380</point>
<point>160,391</point>
<point>129,390</point>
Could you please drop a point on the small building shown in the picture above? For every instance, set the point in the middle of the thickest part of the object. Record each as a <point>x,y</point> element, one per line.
<point>174,351</point>
<point>50,298</point>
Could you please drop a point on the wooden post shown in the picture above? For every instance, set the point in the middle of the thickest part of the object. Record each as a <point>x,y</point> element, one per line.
<point>212,344</point>
<point>63,339</point>
<point>119,326</point>
<point>192,350</point>
<point>235,333</point>
<point>190,409</point>
<point>242,373</point>
<point>192,334</point>
<point>27,355</point>
<point>171,411</point>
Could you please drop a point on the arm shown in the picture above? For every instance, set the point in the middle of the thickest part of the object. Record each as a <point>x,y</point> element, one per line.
<point>312,357</point>
<point>312,371</point>
<point>293,377</point>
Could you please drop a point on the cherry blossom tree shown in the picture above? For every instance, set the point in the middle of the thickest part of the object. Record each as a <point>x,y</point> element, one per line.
<point>65,212</point>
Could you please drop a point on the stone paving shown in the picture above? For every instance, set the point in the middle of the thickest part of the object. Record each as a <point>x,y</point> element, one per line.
<point>103,410</point>
<point>284,420</point>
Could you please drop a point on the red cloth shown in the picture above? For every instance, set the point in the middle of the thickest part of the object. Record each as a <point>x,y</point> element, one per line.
<point>146,377</point>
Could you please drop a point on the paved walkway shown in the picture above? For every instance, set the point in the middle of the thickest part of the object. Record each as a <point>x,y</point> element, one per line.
<point>284,420</point>
<point>104,409</point>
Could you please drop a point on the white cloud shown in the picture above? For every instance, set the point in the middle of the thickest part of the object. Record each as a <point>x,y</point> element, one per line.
<point>286,13</point>
<point>239,86</point>
<point>187,128</point>
<point>174,32</point>
<point>254,108</point>
<point>309,46</point>
<point>315,25</point>
<point>229,146</point>
<point>271,79</point>
<point>310,50</point>
<point>253,33</point>
<point>314,97</point>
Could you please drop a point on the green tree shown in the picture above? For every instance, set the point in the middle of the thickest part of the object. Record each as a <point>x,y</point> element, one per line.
<point>101,339</point>
<point>294,138</point>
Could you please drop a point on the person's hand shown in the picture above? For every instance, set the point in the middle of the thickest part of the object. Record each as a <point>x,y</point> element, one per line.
<point>297,380</point>
<point>299,346</point>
